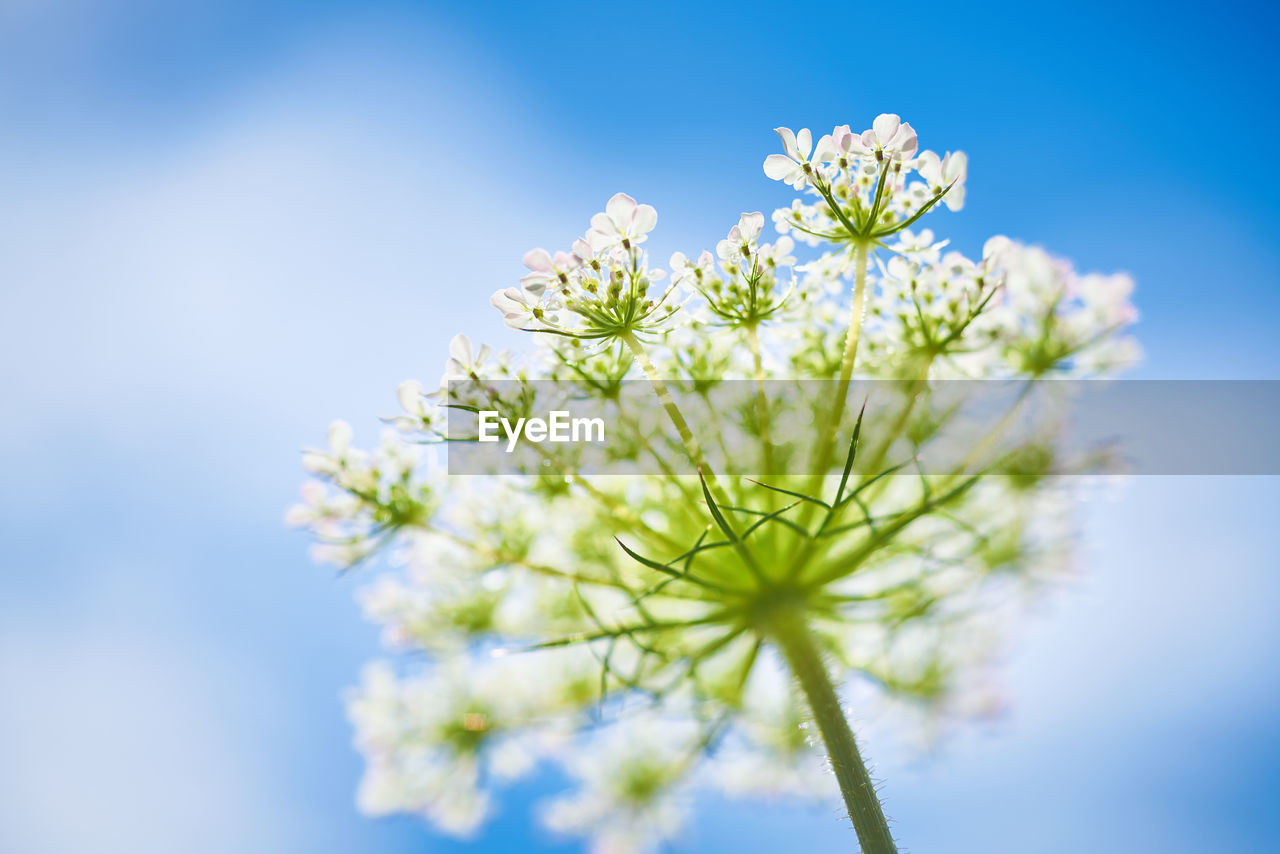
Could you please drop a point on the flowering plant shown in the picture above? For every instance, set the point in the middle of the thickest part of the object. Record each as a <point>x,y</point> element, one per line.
<point>657,634</point>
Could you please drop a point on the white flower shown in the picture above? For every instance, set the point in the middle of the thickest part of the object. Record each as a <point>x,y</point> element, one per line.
<point>950,171</point>
<point>420,414</point>
<point>318,508</point>
<point>626,802</point>
<point>548,269</point>
<point>995,253</point>
<point>1106,298</point>
<point>330,463</point>
<point>518,311</point>
<point>835,146</point>
<point>889,136</point>
<point>394,457</point>
<point>623,223</point>
<point>409,394</point>
<point>919,247</point>
<point>682,268</point>
<point>583,250</point>
<point>792,167</point>
<point>340,436</point>
<point>463,361</point>
<point>742,238</point>
<point>902,271</point>
<point>778,253</point>
<point>341,555</point>
<point>433,741</point>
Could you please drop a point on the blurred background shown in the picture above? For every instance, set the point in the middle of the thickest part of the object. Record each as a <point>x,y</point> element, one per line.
<point>224,224</point>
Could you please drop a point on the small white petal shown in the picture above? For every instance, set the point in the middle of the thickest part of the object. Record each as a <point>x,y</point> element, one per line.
<point>621,208</point>
<point>460,348</point>
<point>538,259</point>
<point>340,435</point>
<point>778,166</point>
<point>885,126</point>
<point>788,140</point>
<point>804,144</point>
<point>645,218</point>
<point>409,393</point>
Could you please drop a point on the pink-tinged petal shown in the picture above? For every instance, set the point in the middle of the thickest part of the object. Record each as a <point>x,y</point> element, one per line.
<point>804,144</point>
<point>460,349</point>
<point>751,224</point>
<point>778,167</point>
<point>704,260</point>
<point>644,219</point>
<point>885,126</point>
<point>599,240</point>
<point>538,259</point>
<point>621,208</point>
<point>534,283</point>
<point>565,261</point>
<point>507,300</point>
<point>907,142</point>
<point>582,250</point>
<point>788,140</point>
<point>827,150</point>
<point>602,224</point>
<point>313,491</point>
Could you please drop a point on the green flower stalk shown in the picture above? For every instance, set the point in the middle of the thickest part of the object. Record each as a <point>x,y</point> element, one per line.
<point>676,626</point>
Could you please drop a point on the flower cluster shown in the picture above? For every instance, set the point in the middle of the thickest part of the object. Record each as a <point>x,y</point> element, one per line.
<point>744,292</point>
<point>363,499</point>
<point>862,183</point>
<point>659,635</point>
<point>602,290</point>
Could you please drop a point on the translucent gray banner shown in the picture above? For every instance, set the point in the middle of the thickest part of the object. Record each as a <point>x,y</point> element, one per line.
<point>740,427</point>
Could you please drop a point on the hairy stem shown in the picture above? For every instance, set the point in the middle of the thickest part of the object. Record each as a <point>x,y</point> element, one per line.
<point>860,798</point>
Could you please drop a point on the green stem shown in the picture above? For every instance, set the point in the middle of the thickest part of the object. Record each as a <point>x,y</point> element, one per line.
<point>691,446</point>
<point>762,401</point>
<point>860,798</point>
<point>826,447</point>
<point>861,250</point>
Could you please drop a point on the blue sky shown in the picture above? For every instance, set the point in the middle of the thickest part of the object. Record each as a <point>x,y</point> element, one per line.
<point>222,226</point>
